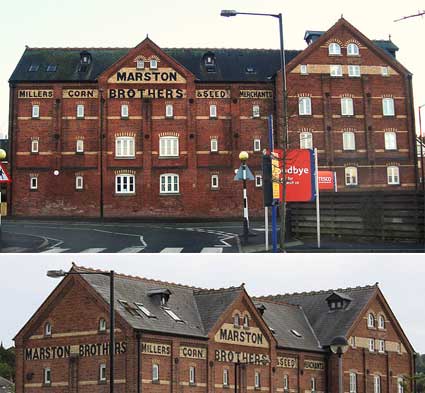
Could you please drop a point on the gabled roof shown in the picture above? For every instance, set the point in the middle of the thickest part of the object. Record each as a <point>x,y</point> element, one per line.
<point>326,323</point>
<point>231,64</point>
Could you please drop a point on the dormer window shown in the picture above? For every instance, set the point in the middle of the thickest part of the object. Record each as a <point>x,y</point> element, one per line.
<point>163,294</point>
<point>209,61</point>
<point>33,68</point>
<point>338,301</point>
<point>51,68</point>
<point>236,321</point>
<point>85,60</point>
<point>260,308</point>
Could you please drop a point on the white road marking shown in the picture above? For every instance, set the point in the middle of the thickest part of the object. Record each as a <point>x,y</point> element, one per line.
<point>55,250</point>
<point>131,250</point>
<point>93,250</point>
<point>172,250</point>
<point>215,250</point>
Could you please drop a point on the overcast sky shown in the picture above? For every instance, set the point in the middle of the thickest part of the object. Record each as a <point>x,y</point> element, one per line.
<point>194,23</point>
<point>24,285</point>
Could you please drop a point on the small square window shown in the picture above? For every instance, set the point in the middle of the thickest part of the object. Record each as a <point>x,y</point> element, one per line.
<point>257,144</point>
<point>154,64</point>
<point>213,111</point>
<point>124,111</point>
<point>79,182</point>
<point>214,182</point>
<point>371,345</point>
<point>33,183</point>
<point>385,71</point>
<point>140,64</point>
<point>35,111</point>
<point>214,145</point>
<point>169,110</point>
<point>258,181</point>
<point>336,70</point>
<point>34,146</point>
<point>354,71</point>
<point>303,69</point>
<point>80,111</point>
<point>256,111</point>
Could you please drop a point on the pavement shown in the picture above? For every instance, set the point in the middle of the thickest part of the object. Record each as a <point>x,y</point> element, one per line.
<point>65,236</point>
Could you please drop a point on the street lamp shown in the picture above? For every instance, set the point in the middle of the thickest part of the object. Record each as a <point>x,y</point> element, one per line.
<point>243,156</point>
<point>2,157</point>
<point>61,273</point>
<point>229,13</point>
<point>421,146</point>
<point>339,346</point>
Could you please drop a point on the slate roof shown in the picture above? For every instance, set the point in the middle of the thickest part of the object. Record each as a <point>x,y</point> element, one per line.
<point>6,386</point>
<point>305,313</point>
<point>327,323</point>
<point>231,64</point>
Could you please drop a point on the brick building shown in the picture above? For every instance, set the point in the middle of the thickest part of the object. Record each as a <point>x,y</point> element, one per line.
<point>174,338</point>
<point>154,132</point>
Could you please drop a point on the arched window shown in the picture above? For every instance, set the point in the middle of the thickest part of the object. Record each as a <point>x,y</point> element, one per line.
<point>155,372</point>
<point>236,321</point>
<point>246,321</point>
<point>400,385</point>
<point>47,329</point>
<point>334,49</point>
<point>348,141</point>
<point>306,140</point>
<point>304,106</point>
<point>102,325</point>
<point>381,322</point>
<point>351,176</point>
<point>352,50</point>
<point>371,320</point>
<point>393,175</point>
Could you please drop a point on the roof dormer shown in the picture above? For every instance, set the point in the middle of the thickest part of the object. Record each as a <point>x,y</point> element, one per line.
<point>311,36</point>
<point>209,61</point>
<point>338,301</point>
<point>162,294</point>
<point>260,308</point>
<point>85,61</point>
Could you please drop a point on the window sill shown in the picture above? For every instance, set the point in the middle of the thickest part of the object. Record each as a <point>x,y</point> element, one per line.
<point>156,381</point>
<point>215,189</point>
<point>79,189</point>
<point>79,153</point>
<point>102,382</point>
<point>35,118</point>
<point>337,76</point>
<point>124,117</point>
<point>226,386</point>
<point>125,158</point>
<point>354,76</point>
<point>213,118</point>
<point>166,194</point>
<point>35,153</point>
<point>33,189</point>
<point>125,194</point>
<point>168,157</point>
<point>352,185</point>
<point>169,117</point>
<point>192,384</point>
<point>79,118</point>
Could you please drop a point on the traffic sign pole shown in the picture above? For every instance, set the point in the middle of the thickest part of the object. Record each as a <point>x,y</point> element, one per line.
<point>245,205</point>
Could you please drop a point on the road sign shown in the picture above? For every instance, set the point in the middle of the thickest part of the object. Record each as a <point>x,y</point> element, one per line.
<point>4,176</point>
<point>239,174</point>
<point>327,180</point>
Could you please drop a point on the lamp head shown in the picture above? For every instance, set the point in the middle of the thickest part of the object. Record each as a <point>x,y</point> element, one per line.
<point>2,154</point>
<point>243,156</point>
<point>339,345</point>
<point>228,13</point>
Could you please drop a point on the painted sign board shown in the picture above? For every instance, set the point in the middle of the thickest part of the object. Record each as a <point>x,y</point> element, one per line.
<point>327,180</point>
<point>4,176</point>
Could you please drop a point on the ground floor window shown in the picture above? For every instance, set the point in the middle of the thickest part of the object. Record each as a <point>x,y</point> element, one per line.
<point>351,176</point>
<point>169,183</point>
<point>393,175</point>
<point>124,184</point>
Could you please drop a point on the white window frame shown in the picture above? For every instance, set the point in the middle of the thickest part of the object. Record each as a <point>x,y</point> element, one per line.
<point>213,111</point>
<point>334,49</point>
<point>35,111</point>
<point>393,175</point>
<point>80,111</point>
<point>353,49</point>
<point>258,181</point>
<point>102,372</point>
<point>33,183</point>
<point>354,71</point>
<point>400,385</point>
<point>140,64</point>
<point>381,346</point>
<point>168,183</point>
<point>353,341</point>
<point>169,111</point>
<point>256,111</point>
<point>371,345</point>
<point>348,141</point>
<point>125,187</point>
<point>79,182</point>
<point>303,69</point>
<point>214,182</point>
<point>155,372</point>
<point>388,106</point>
<point>102,325</point>
<point>35,146</point>
<point>390,138</point>
<point>153,64</point>
<point>236,320</point>
<point>124,111</point>
<point>257,144</point>
<point>246,321</point>
<point>381,322</point>
<point>385,71</point>
<point>125,147</point>
<point>313,384</point>
<point>352,172</point>
<point>304,106</point>
<point>47,376</point>
<point>347,106</point>
<point>214,145</point>
<point>353,382</point>
<point>376,384</point>
<point>306,140</point>
<point>257,380</point>
<point>79,146</point>
<point>225,377</point>
<point>371,321</point>
<point>47,329</point>
<point>335,70</point>
<point>192,375</point>
<point>169,146</point>
<point>285,382</point>
<point>172,314</point>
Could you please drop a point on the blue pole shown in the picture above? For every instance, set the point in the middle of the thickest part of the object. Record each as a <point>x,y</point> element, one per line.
<point>274,228</point>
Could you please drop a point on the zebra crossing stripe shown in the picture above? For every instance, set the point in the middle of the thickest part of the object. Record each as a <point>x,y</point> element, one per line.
<point>171,250</point>
<point>212,250</point>
<point>131,250</point>
<point>55,250</point>
<point>93,250</point>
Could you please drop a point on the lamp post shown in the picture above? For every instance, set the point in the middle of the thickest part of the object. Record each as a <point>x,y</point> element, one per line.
<point>61,273</point>
<point>2,157</point>
<point>284,140</point>
<point>339,346</point>
<point>421,146</point>
<point>243,156</point>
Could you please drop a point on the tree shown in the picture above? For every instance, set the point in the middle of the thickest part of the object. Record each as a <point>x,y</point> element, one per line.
<point>7,362</point>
